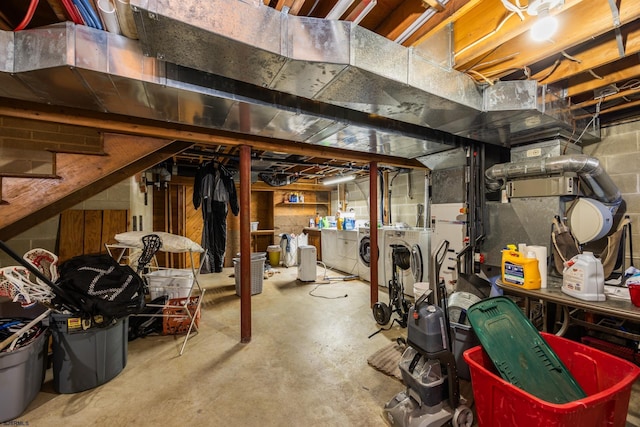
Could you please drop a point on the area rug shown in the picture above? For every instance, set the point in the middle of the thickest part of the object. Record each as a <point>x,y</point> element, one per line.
<point>386,360</point>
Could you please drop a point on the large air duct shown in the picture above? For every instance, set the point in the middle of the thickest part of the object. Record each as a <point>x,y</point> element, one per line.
<point>316,81</point>
<point>587,168</point>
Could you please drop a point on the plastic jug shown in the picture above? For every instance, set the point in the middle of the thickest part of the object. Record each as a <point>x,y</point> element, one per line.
<point>583,277</point>
<point>520,270</point>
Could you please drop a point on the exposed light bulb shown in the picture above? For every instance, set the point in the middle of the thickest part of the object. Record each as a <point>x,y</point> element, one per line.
<point>545,26</point>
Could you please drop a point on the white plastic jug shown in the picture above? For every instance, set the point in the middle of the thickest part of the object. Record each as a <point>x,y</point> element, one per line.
<point>583,277</point>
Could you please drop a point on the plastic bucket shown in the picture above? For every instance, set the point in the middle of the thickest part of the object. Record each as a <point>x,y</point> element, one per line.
<point>274,255</point>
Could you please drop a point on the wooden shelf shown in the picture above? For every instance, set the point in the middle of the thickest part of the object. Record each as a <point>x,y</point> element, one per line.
<point>302,203</point>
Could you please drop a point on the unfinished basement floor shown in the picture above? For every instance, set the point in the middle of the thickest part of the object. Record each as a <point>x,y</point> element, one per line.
<point>306,365</point>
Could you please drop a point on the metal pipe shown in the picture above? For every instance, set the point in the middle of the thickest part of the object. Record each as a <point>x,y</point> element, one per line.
<point>587,168</point>
<point>245,243</point>
<point>373,231</point>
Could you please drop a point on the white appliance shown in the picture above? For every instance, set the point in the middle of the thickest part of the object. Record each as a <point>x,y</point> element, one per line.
<point>364,255</point>
<point>448,223</point>
<point>417,242</point>
<point>307,263</point>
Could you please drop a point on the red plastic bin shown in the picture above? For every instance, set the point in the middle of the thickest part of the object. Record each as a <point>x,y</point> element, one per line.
<point>606,380</point>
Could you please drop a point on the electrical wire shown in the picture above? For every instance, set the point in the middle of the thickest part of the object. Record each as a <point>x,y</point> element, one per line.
<point>311,292</point>
<point>593,118</point>
<point>28,16</point>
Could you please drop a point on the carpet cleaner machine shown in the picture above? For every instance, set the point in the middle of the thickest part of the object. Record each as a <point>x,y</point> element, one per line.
<point>428,366</point>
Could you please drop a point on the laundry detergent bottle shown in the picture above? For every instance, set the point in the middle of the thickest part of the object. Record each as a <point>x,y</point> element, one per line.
<point>520,270</point>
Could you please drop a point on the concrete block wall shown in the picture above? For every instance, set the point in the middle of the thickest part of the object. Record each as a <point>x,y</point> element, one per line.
<point>24,144</point>
<point>619,155</point>
<point>403,202</point>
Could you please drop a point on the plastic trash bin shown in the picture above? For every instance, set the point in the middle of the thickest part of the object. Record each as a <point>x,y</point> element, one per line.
<point>257,272</point>
<point>274,255</point>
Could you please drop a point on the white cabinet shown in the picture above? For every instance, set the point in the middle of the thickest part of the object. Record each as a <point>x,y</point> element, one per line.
<point>347,249</point>
<point>328,239</point>
<point>340,249</point>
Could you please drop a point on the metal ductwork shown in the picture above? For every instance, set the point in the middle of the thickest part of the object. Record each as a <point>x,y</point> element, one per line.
<point>587,168</point>
<point>247,68</point>
<point>340,63</point>
<point>81,67</point>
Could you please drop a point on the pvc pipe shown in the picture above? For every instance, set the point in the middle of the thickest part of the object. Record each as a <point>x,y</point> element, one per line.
<point>109,16</point>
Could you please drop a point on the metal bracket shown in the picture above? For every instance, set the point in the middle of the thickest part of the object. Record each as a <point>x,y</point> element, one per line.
<point>616,25</point>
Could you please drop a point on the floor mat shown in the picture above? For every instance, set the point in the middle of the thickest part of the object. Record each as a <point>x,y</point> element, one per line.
<point>386,359</point>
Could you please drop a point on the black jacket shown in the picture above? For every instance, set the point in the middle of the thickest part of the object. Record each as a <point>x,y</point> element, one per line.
<point>209,168</point>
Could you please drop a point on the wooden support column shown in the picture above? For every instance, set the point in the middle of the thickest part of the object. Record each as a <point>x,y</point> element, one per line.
<point>245,243</point>
<point>373,231</point>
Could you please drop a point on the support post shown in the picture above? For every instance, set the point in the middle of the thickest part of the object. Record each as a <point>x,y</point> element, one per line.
<point>245,243</point>
<point>373,230</point>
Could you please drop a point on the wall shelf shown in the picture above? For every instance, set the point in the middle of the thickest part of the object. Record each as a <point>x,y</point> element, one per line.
<point>302,203</point>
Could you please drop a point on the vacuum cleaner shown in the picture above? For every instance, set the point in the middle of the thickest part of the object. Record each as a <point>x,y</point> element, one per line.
<point>428,368</point>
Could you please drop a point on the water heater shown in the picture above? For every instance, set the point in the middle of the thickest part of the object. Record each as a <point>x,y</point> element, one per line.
<point>307,263</point>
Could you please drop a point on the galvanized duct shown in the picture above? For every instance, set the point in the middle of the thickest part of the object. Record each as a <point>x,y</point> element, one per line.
<point>340,63</point>
<point>587,168</point>
<point>81,67</point>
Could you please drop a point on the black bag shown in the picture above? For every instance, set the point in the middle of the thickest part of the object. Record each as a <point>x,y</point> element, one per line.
<point>149,320</point>
<point>98,285</point>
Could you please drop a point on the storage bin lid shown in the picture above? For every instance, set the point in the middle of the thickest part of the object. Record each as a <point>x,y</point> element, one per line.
<point>519,353</point>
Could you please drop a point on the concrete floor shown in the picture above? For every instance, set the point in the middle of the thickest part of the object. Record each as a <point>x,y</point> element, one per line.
<point>305,365</point>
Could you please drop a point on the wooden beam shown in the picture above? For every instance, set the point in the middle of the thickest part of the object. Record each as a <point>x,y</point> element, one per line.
<point>174,131</point>
<point>514,45</point>
<point>596,56</point>
<point>621,75</point>
<point>32,201</point>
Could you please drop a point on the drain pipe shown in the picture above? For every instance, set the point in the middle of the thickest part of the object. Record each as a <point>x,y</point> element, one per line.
<point>587,168</point>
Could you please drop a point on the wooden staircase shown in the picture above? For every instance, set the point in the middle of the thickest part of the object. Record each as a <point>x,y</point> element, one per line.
<point>27,199</point>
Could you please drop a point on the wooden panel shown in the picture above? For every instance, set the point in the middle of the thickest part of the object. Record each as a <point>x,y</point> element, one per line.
<point>92,232</point>
<point>315,240</point>
<point>193,222</point>
<point>113,222</point>
<point>70,234</point>
<point>86,231</point>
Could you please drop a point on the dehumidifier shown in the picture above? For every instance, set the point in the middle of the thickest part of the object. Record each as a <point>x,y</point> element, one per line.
<point>307,263</point>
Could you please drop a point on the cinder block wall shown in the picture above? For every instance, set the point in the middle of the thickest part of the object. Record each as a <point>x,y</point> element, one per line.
<point>403,202</point>
<point>619,155</point>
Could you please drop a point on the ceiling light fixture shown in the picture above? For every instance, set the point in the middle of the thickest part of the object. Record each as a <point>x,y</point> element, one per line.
<point>546,25</point>
<point>338,179</point>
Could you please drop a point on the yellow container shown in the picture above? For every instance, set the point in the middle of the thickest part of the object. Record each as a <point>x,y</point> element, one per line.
<point>519,270</point>
<point>274,255</point>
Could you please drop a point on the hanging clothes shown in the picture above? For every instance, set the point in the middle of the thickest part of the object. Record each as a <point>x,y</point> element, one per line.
<point>214,190</point>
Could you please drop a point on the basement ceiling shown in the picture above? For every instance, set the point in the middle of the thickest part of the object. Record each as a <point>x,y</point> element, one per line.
<point>591,68</point>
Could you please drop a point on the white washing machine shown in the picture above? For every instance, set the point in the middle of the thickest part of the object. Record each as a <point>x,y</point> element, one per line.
<point>364,255</point>
<point>415,244</point>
